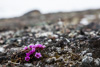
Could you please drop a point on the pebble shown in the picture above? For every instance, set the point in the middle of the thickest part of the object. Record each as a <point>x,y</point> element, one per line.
<point>46,43</point>
<point>83,52</point>
<point>68,40</point>
<point>56,36</point>
<point>49,40</point>
<point>2,49</point>
<point>89,54</point>
<point>58,49</point>
<point>87,59</point>
<point>97,62</point>
<point>28,64</point>
<point>57,39</point>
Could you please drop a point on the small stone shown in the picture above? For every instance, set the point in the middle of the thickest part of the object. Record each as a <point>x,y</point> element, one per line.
<point>72,34</point>
<point>89,54</point>
<point>58,49</point>
<point>87,59</point>
<point>49,40</point>
<point>61,37</point>
<point>28,64</point>
<point>56,36</point>
<point>57,39</point>
<point>83,52</point>
<point>1,49</point>
<point>46,43</point>
<point>97,62</point>
<point>67,40</point>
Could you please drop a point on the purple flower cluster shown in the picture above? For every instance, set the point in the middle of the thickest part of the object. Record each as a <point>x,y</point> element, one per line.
<point>33,49</point>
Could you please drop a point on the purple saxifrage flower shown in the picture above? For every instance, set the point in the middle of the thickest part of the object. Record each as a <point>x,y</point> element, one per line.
<point>38,55</point>
<point>28,54</point>
<point>27,58</point>
<point>33,49</point>
<point>25,48</point>
<point>39,45</point>
<point>31,52</point>
<point>30,46</point>
<point>34,46</point>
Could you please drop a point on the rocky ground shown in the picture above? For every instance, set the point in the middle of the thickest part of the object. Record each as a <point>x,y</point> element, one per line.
<point>70,46</point>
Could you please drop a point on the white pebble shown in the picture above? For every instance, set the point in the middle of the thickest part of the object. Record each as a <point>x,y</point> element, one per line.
<point>97,61</point>
<point>49,40</point>
<point>1,49</point>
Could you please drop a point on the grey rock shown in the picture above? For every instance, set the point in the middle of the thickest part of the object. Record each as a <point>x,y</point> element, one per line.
<point>87,59</point>
<point>58,49</point>
<point>49,40</point>
<point>97,62</point>
<point>2,49</point>
<point>28,64</point>
<point>89,54</point>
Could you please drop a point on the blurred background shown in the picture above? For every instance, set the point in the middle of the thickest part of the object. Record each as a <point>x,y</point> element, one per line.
<point>20,13</point>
